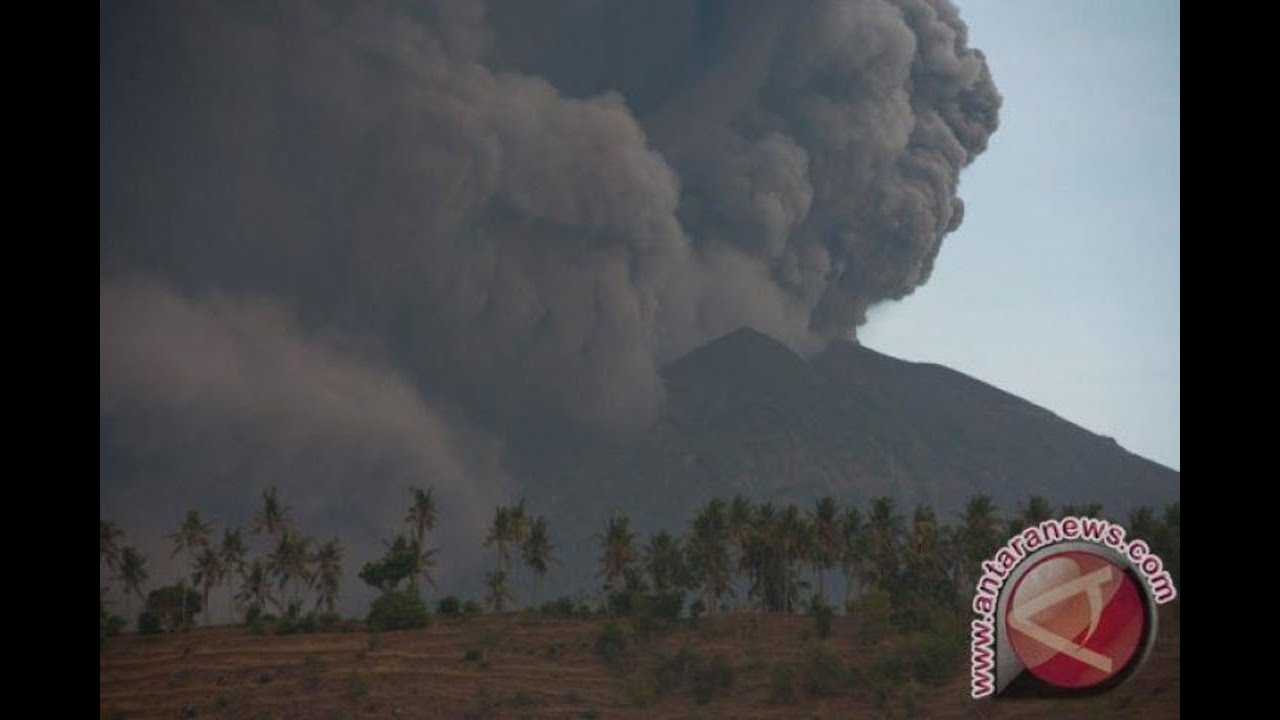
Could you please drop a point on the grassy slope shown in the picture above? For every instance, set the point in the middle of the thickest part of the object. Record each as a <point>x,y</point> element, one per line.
<point>227,672</point>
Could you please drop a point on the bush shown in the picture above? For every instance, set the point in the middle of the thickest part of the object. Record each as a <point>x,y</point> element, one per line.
<point>108,625</point>
<point>782,684</point>
<point>149,623</point>
<point>874,613</point>
<point>821,618</point>
<point>612,642</point>
<point>712,679</point>
<point>449,606</point>
<point>398,610</point>
<point>672,670</point>
<point>824,671</point>
<point>936,657</point>
<point>559,608</point>
<point>471,608</point>
<point>166,603</point>
<point>473,655</point>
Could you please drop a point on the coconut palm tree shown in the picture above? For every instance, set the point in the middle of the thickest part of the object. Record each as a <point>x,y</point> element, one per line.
<point>255,590</point>
<point>497,594</point>
<point>232,551</point>
<point>422,519</point>
<point>979,530</point>
<point>209,573</point>
<point>133,572</point>
<point>853,550</point>
<point>618,543</point>
<point>708,551</point>
<point>884,540</point>
<point>664,562</point>
<point>537,551</point>
<point>739,519</point>
<point>328,573</point>
<point>1037,510</point>
<point>291,562</point>
<point>108,545</point>
<point>500,534</point>
<point>791,542</point>
<point>191,536</point>
<point>274,517</point>
<point>826,535</point>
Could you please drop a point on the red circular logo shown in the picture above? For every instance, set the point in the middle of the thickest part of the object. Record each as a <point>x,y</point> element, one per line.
<point>1075,619</point>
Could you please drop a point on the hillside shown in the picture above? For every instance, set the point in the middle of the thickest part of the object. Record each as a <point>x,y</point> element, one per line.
<point>537,667</point>
<point>747,415</point>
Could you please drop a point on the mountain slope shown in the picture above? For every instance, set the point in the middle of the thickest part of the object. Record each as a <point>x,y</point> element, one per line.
<point>747,415</point>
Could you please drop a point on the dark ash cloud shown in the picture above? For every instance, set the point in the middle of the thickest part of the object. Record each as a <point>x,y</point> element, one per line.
<point>391,234</point>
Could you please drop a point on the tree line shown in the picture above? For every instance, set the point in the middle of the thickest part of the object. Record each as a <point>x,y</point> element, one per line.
<point>735,554</point>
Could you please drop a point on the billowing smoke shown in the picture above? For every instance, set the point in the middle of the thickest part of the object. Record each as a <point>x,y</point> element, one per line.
<point>346,247</point>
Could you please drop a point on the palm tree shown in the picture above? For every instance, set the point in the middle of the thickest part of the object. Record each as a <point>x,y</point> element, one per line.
<point>537,549</point>
<point>255,591</point>
<point>884,535</point>
<point>274,517</point>
<point>192,535</point>
<point>979,534</point>
<point>826,529</point>
<point>209,572</point>
<point>1036,511</point>
<point>497,592</point>
<point>500,533</point>
<point>1143,524</point>
<point>741,512</point>
<point>422,519</point>
<point>664,561</point>
<point>618,543</point>
<point>708,550</point>
<point>133,571</point>
<point>108,545</point>
<point>328,564</point>
<point>791,540</point>
<point>232,552</point>
<point>853,549</point>
<point>291,561</point>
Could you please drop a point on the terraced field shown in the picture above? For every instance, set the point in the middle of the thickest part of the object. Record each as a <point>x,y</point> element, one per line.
<point>522,666</point>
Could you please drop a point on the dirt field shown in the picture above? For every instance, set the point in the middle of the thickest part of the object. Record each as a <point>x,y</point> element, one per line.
<point>538,668</point>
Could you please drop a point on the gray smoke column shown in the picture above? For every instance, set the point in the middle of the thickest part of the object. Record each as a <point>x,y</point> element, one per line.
<point>375,226</point>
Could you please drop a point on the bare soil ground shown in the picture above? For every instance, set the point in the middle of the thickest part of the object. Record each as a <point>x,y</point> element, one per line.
<point>540,667</point>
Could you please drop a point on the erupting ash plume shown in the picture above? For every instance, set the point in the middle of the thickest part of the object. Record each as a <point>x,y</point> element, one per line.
<point>391,232</point>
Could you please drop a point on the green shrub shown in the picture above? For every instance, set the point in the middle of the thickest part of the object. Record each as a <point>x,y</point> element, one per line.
<point>398,610</point>
<point>935,657</point>
<point>328,621</point>
<point>473,655</point>
<point>641,689</point>
<point>824,671</point>
<point>821,618</point>
<point>449,606</point>
<point>471,608</point>
<point>674,669</point>
<point>782,689</point>
<point>611,643</point>
<point>712,679</point>
<point>149,623</point>
<point>562,607</point>
<point>874,614</point>
<point>166,603</point>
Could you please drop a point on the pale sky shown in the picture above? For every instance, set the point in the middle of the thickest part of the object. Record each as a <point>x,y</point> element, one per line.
<point>1062,285</point>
